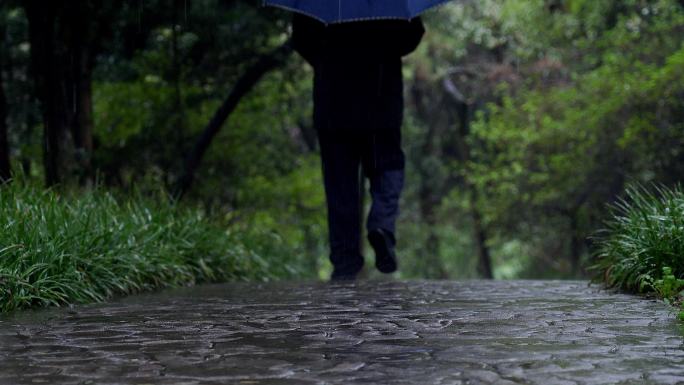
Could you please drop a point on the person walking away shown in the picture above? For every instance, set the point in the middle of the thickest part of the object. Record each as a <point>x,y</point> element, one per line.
<point>358,112</point>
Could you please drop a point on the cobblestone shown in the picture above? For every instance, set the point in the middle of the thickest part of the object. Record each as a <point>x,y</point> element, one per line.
<point>373,332</point>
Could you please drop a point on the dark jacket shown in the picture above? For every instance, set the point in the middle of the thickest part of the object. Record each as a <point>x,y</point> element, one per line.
<point>358,78</point>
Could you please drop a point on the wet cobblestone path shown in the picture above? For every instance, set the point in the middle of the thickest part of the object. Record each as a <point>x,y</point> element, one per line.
<point>471,332</point>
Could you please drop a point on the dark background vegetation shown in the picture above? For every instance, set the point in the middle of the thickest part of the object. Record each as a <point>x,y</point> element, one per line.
<point>524,119</point>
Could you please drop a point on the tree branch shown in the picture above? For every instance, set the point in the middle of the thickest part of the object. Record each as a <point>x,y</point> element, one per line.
<point>245,84</point>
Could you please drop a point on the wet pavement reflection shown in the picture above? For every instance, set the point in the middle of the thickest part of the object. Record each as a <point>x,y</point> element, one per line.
<point>373,332</point>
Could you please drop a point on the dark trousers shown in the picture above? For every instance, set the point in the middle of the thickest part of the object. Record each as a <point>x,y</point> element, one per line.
<point>344,153</point>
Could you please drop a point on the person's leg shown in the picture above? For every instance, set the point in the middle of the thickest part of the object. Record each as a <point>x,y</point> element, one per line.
<point>384,163</point>
<point>385,168</point>
<point>385,188</point>
<point>341,160</point>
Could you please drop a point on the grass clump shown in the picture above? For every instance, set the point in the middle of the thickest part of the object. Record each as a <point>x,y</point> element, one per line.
<point>57,249</point>
<point>641,250</point>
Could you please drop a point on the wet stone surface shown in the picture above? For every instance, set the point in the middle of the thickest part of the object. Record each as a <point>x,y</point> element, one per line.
<point>471,332</point>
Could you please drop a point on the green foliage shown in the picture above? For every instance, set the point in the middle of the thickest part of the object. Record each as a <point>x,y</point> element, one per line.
<point>669,286</point>
<point>57,249</point>
<point>641,248</point>
<point>567,101</point>
<point>592,99</point>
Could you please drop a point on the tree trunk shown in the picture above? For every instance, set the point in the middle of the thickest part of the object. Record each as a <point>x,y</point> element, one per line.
<point>484,262</point>
<point>178,107</point>
<point>5,169</point>
<point>251,77</point>
<point>428,193</point>
<point>576,242</point>
<point>463,153</point>
<point>429,201</point>
<point>83,125</point>
<point>46,71</point>
<point>81,64</point>
<point>30,120</point>
<point>62,63</point>
<point>433,267</point>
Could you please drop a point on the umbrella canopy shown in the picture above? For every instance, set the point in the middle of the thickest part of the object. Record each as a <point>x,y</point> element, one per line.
<point>338,11</point>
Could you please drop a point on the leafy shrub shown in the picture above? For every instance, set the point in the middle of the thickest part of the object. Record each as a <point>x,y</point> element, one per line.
<point>668,287</point>
<point>642,247</point>
<point>58,249</point>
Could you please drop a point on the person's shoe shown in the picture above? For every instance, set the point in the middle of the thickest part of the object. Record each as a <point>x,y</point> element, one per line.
<point>339,276</point>
<point>346,267</point>
<point>383,244</point>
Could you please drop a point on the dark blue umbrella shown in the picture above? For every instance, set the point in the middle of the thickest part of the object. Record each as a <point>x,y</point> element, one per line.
<point>337,11</point>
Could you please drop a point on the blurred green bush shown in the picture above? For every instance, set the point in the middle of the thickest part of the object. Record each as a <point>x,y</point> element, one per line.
<point>57,249</point>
